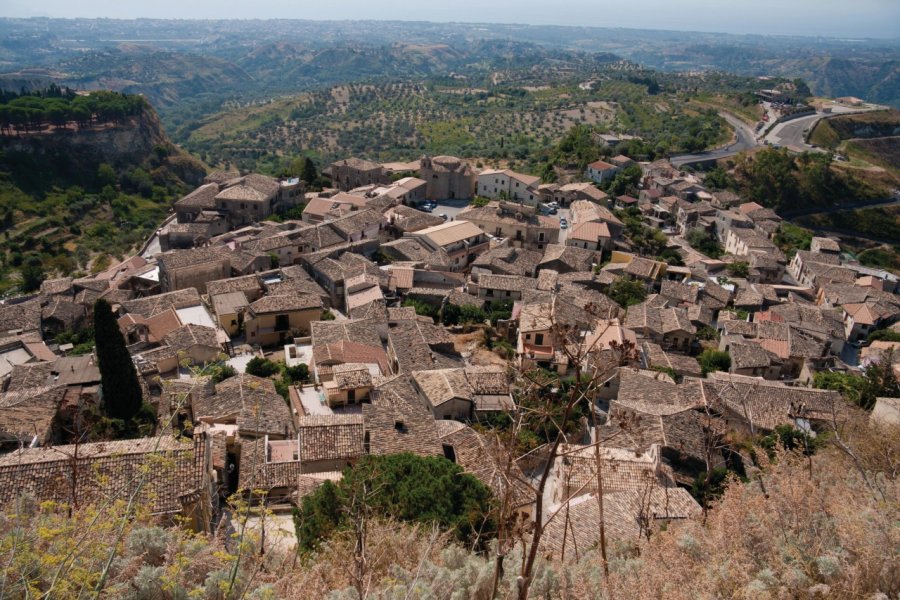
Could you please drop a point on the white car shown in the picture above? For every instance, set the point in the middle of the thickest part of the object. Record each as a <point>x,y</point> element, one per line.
<point>563,224</point>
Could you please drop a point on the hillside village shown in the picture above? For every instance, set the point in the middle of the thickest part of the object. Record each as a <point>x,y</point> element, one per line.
<point>415,331</point>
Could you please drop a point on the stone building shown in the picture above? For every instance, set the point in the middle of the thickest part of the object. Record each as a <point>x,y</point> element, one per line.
<point>447,177</point>
<point>355,172</point>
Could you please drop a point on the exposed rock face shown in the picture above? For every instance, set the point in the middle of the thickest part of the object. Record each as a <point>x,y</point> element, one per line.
<point>130,142</point>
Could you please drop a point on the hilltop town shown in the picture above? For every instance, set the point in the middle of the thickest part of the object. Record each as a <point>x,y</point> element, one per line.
<point>281,334</point>
<point>602,356</point>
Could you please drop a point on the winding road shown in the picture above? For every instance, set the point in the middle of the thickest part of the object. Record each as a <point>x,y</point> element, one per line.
<point>745,139</point>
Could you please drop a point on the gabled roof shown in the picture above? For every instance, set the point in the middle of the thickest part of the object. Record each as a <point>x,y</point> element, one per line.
<point>450,232</point>
<point>575,531</point>
<point>600,165</point>
<point>284,303</point>
<point>163,470</point>
<point>590,232</point>
<point>330,437</point>
<point>397,421</point>
<point>249,402</point>
<point>477,455</point>
<point>443,385</point>
<point>769,404</point>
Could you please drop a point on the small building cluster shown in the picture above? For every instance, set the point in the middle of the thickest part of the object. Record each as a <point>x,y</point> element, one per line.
<point>377,298</point>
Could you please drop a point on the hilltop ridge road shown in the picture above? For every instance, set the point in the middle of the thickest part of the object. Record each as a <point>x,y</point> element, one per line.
<point>745,140</point>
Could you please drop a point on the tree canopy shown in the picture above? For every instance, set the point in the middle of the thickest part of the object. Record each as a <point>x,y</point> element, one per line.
<point>714,360</point>
<point>405,487</point>
<point>122,395</point>
<point>626,291</point>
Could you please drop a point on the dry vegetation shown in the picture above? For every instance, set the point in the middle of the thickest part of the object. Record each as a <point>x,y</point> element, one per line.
<point>820,527</point>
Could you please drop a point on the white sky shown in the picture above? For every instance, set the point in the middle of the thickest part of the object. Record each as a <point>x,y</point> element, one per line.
<point>833,18</point>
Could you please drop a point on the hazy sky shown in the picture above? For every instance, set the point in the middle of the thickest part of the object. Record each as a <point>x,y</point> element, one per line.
<point>835,18</point>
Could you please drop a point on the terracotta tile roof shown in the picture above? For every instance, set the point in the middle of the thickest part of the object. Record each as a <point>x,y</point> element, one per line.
<point>24,315</point>
<point>408,219</point>
<point>769,404</point>
<point>361,331</point>
<point>509,261</point>
<point>680,292</point>
<point>345,351</point>
<point>650,395</point>
<point>229,302</point>
<point>190,335</point>
<point>401,278</point>
<point>585,211</point>
<point>250,188</point>
<point>29,413</point>
<point>397,420</point>
<point>330,437</point>
<point>63,285</point>
<point>486,460</point>
<point>565,259</point>
<point>258,473</point>
<point>356,221</point>
<point>574,530</point>
<point>644,268</point>
<point>169,470</point>
<point>249,402</point>
<point>649,316</point>
<point>751,356</point>
<point>285,303</point>
<point>350,376</point>
<point>513,283</point>
<point>600,165</point>
<point>413,344</point>
<point>153,305</point>
<point>590,232</point>
<point>681,364</point>
<point>203,198</point>
<point>575,470</point>
<point>450,232</point>
<point>443,385</point>
<point>359,164</point>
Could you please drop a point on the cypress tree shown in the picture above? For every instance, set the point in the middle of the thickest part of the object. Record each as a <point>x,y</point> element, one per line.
<point>122,395</point>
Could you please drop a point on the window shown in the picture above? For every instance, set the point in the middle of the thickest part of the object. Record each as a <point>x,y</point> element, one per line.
<point>539,339</point>
<point>399,426</point>
<point>282,322</point>
<point>541,237</point>
<point>449,452</point>
<point>489,293</point>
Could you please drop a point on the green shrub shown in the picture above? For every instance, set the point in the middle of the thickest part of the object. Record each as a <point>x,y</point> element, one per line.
<point>714,360</point>
<point>261,367</point>
<point>406,487</point>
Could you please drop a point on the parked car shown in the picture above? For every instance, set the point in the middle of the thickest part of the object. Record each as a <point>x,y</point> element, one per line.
<point>443,216</point>
<point>563,224</point>
<point>427,208</point>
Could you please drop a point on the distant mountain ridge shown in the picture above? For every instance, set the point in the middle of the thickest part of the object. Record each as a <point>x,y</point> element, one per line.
<point>243,58</point>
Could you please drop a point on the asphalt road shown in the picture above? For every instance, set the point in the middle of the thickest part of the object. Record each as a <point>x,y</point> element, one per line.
<point>792,134</point>
<point>745,140</point>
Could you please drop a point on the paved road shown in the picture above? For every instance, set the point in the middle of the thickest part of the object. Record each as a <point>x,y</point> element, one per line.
<point>792,134</point>
<point>745,140</point>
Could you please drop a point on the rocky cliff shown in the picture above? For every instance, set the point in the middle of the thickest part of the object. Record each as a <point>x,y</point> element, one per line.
<point>73,155</point>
